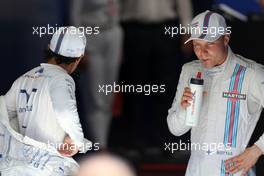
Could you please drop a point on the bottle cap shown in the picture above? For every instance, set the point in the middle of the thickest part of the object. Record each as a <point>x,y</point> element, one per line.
<point>198,80</point>
<point>199,75</point>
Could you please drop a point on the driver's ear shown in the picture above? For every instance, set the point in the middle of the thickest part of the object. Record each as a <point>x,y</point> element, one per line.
<point>226,39</point>
<point>77,61</point>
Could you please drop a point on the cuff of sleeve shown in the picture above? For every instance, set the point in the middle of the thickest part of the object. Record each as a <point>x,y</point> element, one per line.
<point>182,113</point>
<point>260,145</point>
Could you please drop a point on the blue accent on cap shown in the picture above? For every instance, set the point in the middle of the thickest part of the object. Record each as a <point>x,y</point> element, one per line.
<point>206,23</point>
<point>62,34</point>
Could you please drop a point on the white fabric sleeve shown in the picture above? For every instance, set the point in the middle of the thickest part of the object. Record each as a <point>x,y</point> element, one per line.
<point>62,93</point>
<point>176,115</point>
<point>256,93</point>
<point>185,11</point>
<point>10,100</point>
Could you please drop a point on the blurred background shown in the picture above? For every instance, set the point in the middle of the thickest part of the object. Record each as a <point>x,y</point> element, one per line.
<point>131,49</point>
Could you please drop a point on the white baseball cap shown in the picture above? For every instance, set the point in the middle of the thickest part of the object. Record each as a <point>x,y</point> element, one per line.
<point>208,26</point>
<point>68,41</point>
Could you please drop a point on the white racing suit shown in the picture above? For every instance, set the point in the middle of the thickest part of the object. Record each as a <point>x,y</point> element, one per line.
<point>43,101</point>
<point>23,156</point>
<point>229,113</point>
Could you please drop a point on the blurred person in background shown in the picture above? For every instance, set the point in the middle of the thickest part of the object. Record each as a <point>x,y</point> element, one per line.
<point>151,58</point>
<point>104,61</point>
<point>105,165</point>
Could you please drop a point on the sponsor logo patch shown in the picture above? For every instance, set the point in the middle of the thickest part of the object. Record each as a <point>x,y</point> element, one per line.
<point>234,95</point>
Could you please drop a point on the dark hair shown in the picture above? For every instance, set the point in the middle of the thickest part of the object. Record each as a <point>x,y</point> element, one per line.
<point>48,54</point>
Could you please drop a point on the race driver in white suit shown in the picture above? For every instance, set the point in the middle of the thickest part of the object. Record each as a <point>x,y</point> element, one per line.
<point>232,103</point>
<point>43,99</point>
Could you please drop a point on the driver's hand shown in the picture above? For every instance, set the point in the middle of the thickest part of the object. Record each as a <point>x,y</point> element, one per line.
<point>68,148</point>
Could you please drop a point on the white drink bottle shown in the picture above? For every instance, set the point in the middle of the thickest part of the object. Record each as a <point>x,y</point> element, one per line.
<point>193,111</point>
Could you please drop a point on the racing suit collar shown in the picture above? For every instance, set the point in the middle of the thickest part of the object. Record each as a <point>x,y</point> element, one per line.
<point>52,66</point>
